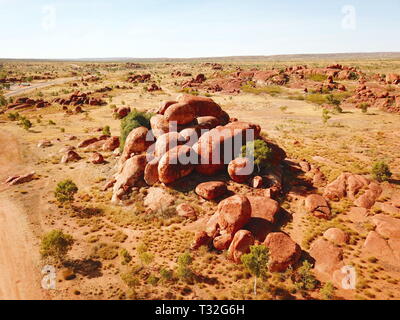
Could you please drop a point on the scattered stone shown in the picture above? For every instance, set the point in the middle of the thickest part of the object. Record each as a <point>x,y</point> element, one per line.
<point>211,190</point>
<point>70,156</point>
<point>185,210</point>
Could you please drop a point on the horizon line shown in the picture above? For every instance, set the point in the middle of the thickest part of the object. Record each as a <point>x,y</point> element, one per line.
<point>209,57</point>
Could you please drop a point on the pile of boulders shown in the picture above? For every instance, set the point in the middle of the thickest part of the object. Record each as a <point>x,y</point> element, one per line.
<point>22,103</point>
<point>241,221</point>
<point>378,96</point>
<point>80,98</point>
<point>139,78</point>
<point>194,82</point>
<point>153,87</point>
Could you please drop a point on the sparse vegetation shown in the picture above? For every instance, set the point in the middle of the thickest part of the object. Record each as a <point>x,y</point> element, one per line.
<point>381,171</point>
<point>133,120</point>
<point>259,151</point>
<point>65,191</point>
<point>56,244</point>
<point>256,262</point>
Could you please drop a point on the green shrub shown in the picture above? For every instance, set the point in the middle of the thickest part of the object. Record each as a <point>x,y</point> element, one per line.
<point>184,271</point>
<point>328,291</point>
<point>56,244</point>
<point>325,115</point>
<point>304,278</point>
<point>381,171</point>
<point>364,107</point>
<point>259,151</point>
<point>65,191</point>
<point>13,116</point>
<point>125,256</point>
<point>166,274</point>
<point>256,262</point>
<point>25,123</point>
<point>133,120</point>
<point>107,131</point>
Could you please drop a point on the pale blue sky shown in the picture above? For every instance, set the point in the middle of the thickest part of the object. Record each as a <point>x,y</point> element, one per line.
<point>193,28</point>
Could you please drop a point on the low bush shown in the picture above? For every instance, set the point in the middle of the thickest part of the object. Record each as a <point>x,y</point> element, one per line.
<point>259,151</point>
<point>56,244</point>
<point>133,120</point>
<point>381,171</point>
<point>65,191</point>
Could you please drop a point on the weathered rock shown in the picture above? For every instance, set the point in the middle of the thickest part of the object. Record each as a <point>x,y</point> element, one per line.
<point>186,210</point>
<point>132,171</point>
<point>284,252</point>
<point>202,106</point>
<point>240,169</point>
<point>387,226</point>
<point>354,184</point>
<point>121,112</point>
<point>336,190</point>
<point>223,241</point>
<point>151,172</point>
<point>368,199</point>
<point>181,113</point>
<point>328,257</point>
<point>111,144</point>
<point>159,125</point>
<point>200,239</point>
<point>97,158</point>
<point>234,214</point>
<point>212,227</point>
<point>336,236</point>
<point>257,182</point>
<point>158,199</point>
<point>44,144</point>
<point>396,199</point>
<point>87,142</point>
<point>136,142</point>
<point>14,180</point>
<point>167,142</point>
<point>211,190</point>
<point>215,148</point>
<point>318,206</point>
<point>377,247</point>
<point>164,106</point>
<point>172,165</point>
<point>70,156</point>
<point>240,245</point>
<point>263,208</point>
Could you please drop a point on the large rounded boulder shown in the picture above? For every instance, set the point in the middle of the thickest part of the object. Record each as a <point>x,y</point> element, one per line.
<point>175,164</point>
<point>234,214</point>
<point>283,251</point>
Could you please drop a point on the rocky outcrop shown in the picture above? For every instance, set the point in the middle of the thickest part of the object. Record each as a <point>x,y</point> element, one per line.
<point>328,257</point>
<point>211,190</point>
<point>240,245</point>
<point>172,166</point>
<point>318,206</point>
<point>240,169</point>
<point>131,172</point>
<point>283,251</point>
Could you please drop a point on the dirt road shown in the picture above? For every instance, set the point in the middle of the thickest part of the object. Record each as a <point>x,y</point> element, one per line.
<point>16,90</point>
<point>19,260</point>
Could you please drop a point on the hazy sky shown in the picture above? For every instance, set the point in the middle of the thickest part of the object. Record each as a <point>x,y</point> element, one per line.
<point>195,28</point>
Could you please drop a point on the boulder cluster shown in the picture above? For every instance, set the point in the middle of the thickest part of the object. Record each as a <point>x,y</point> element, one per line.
<point>79,99</point>
<point>22,103</point>
<point>139,78</point>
